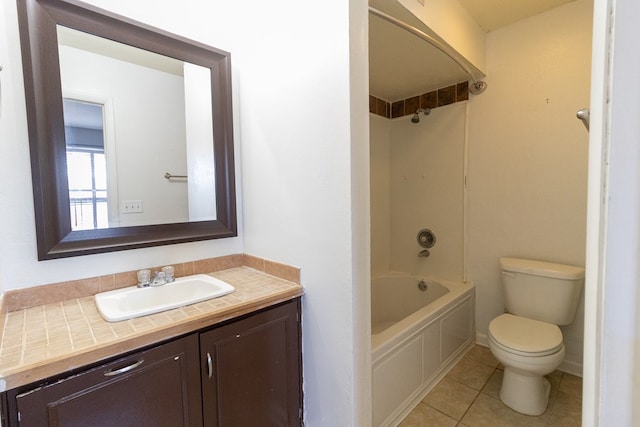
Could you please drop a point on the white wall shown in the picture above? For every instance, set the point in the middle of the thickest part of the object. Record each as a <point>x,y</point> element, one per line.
<point>300,122</point>
<point>528,155</point>
<point>306,185</point>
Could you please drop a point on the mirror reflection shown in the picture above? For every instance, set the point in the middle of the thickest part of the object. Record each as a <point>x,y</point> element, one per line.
<point>138,132</point>
<point>165,104</point>
<point>86,164</point>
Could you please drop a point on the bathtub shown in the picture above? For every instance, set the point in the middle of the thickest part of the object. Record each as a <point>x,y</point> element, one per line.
<point>417,336</point>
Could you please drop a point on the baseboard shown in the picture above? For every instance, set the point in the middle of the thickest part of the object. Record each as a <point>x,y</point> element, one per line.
<point>573,368</point>
<point>482,339</point>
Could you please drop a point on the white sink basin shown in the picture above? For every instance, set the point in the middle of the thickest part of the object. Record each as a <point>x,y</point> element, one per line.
<point>127,303</point>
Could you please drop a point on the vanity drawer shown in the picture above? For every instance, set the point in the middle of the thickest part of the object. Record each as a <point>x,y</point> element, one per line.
<point>155,387</point>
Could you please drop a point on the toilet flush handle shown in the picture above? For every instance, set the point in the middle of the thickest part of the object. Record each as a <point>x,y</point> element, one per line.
<point>509,274</point>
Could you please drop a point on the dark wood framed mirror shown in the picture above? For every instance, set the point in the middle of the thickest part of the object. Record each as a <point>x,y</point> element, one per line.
<point>41,22</point>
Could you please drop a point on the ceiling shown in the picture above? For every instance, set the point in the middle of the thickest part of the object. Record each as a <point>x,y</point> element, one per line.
<point>493,14</point>
<point>402,65</point>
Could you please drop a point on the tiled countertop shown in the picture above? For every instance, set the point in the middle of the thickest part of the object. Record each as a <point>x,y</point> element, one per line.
<point>48,340</point>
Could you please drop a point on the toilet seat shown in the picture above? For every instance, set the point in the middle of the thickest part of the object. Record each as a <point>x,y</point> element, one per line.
<point>525,337</point>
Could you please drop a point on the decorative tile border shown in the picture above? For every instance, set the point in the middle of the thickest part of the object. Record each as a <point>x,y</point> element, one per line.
<point>19,299</point>
<point>436,98</point>
<point>379,106</point>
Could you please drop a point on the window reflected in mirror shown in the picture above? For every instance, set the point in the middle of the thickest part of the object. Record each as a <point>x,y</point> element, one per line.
<point>86,164</point>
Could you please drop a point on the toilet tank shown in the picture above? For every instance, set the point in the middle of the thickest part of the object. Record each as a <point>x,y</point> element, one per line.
<point>541,290</point>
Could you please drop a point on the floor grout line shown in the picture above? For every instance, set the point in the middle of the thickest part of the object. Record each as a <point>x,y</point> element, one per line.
<point>477,395</point>
<point>548,418</point>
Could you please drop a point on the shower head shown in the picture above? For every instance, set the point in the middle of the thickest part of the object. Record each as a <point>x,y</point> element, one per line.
<point>416,115</point>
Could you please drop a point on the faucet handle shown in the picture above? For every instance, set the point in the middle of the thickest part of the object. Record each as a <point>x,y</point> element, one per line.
<point>169,273</point>
<point>144,278</point>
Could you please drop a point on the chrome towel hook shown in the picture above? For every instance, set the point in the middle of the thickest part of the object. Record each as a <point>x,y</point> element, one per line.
<point>583,115</point>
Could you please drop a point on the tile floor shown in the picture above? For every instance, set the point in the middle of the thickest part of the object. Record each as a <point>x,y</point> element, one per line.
<point>468,396</point>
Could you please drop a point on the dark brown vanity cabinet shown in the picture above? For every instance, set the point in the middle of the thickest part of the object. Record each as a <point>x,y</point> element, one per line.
<point>156,387</point>
<point>245,372</point>
<point>251,370</point>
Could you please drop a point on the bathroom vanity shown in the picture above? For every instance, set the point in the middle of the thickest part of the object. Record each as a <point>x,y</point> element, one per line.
<point>234,361</point>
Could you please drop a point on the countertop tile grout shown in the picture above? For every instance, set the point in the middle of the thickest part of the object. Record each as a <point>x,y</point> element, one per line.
<point>75,332</point>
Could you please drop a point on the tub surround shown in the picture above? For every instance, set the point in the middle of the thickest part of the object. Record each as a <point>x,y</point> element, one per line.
<point>51,329</point>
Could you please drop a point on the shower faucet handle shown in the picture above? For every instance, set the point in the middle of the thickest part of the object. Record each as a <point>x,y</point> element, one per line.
<point>426,238</point>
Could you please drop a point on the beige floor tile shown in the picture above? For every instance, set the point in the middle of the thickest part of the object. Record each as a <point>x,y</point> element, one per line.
<point>566,410</point>
<point>554,378</point>
<point>451,398</point>
<point>571,384</point>
<point>554,392</point>
<point>489,412</point>
<point>425,416</point>
<point>482,354</point>
<point>456,397</point>
<point>471,373</point>
<point>492,387</point>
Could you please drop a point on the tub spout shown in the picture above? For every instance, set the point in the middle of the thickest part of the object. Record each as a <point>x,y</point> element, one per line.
<point>424,253</point>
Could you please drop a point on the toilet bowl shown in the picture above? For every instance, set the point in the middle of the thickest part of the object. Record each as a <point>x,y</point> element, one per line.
<point>528,349</point>
<point>539,296</point>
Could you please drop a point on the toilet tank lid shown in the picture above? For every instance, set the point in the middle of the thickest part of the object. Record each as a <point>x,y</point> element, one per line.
<point>541,268</point>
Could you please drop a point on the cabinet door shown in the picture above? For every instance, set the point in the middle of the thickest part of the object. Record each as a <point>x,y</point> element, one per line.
<point>251,370</point>
<point>155,387</point>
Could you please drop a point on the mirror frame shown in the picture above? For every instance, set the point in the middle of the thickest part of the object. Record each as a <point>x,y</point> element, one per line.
<point>43,91</point>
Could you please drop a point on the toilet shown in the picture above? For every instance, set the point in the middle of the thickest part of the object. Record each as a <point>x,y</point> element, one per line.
<point>539,296</point>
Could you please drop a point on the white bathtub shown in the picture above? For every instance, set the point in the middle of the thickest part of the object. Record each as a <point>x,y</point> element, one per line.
<point>416,337</point>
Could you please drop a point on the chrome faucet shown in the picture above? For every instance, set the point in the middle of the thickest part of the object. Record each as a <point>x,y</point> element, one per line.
<point>160,278</point>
